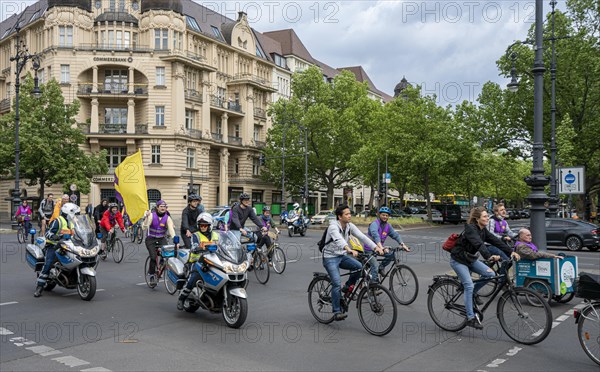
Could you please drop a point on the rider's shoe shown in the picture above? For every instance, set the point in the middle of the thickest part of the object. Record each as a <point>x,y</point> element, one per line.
<point>38,291</point>
<point>152,280</point>
<point>339,316</point>
<point>180,302</point>
<point>475,323</point>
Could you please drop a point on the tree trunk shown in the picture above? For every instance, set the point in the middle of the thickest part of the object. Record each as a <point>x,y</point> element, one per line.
<point>330,203</point>
<point>371,196</point>
<point>426,184</point>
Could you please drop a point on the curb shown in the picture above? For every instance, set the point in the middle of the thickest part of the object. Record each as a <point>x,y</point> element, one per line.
<point>396,227</point>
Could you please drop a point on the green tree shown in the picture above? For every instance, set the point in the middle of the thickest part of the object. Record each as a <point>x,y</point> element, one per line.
<point>50,144</point>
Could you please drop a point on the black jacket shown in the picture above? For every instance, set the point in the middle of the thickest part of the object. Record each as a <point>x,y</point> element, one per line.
<point>99,212</point>
<point>472,242</point>
<point>239,216</point>
<point>188,219</point>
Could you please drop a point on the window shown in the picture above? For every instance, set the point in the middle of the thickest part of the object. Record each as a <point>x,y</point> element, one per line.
<point>115,115</point>
<point>112,5</point>
<point>65,36</point>
<point>219,127</point>
<point>111,38</point>
<point>160,116</point>
<point>116,81</point>
<point>160,76</point>
<point>257,196</point>
<point>279,61</point>
<point>177,39</point>
<point>42,76</point>
<point>189,119</point>
<point>65,74</point>
<point>155,154</point>
<point>276,197</point>
<point>259,52</point>
<point>115,155</point>
<point>191,158</point>
<point>191,22</point>
<point>121,5</point>
<point>236,130</point>
<point>255,166</point>
<point>161,38</point>
<point>216,32</point>
<point>256,133</point>
<point>236,166</point>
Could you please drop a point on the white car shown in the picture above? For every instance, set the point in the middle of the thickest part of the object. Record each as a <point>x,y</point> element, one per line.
<point>322,217</point>
<point>436,216</point>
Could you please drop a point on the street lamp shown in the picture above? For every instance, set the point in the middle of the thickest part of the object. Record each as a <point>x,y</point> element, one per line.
<point>513,86</point>
<point>553,200</point>
<point>21,58</point>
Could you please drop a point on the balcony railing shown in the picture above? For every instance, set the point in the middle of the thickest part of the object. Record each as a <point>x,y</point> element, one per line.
<point>5,105</point>
<point>117,89</point>
<point>235,140</point>
<point>260,144</point>
<point>252,78</point>
<point>196,57</point>
<point>193,133</point>
<point>193,95</point>
<point>217,137</point>
<point>112,128</point>
<point>109,48</point>
<point>141,129</point>
<point>260,112</point>
<point>217,101</point>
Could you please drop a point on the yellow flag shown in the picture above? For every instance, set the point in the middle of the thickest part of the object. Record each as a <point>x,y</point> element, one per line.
<point>130,185</point>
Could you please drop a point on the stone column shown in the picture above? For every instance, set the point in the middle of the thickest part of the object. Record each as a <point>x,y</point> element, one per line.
<point>224,177</point>
<point>131,87</point>
<point>177,97</point>
<point>131,116</point>
<point>95,79</point>
<point>205,110</point>
<point>224,127</point>
<point>94,116</point>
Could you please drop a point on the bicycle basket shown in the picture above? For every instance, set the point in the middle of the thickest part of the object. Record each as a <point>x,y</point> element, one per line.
<point>168,250</point>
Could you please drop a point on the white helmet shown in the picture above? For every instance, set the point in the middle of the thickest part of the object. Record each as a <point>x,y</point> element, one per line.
<point>70,210</point>
<point>296,205</point>
<point>205,218</point>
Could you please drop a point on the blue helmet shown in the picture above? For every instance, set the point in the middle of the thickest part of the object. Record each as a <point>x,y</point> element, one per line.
<point>385,210</point>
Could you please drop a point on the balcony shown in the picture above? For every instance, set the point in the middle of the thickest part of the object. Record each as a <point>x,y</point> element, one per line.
<point>84,127</point>
<point>192,133</point>
<point>193,95</point>
<point>217,137</point>
<point>254,80</point>
<point>235,140</point>
<point>189,59</point>
<point>260,144</point>
<point>112,128</point>
<point>260,112</point>
<point>4,105</point>
<point>116,90</point>
<point>141,129</point>
<point>110,48</point>
<point>220,102</point>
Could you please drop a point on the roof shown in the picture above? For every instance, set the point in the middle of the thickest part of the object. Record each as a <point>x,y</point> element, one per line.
<point>290,44</point>
<point>24,18</point>
<point>328,71</point>
<point>362,76</point>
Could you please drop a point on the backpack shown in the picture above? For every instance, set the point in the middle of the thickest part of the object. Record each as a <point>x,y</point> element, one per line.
<point>450,243</point>
<point>322,243</point>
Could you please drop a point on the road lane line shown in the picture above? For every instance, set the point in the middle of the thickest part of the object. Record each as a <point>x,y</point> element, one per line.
<point>9,303</point>
<point>562,318</point>
<point>96,369</point>
<point>496,363</point>
<point>44,350</point>
<point>76,293</point>
<point>514,351</point>
<point>71,361</point>
<point>5,332</point>
<point>144,283</point>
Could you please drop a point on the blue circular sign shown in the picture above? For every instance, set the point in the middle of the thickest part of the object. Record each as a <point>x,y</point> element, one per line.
<point>570,178</point>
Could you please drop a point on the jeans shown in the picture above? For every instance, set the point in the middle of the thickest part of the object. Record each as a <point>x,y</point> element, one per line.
<point>497,251</point>
<point>153,250</point>
<point>464,274</point>
<point>49,260</point>
<point>332,266</point>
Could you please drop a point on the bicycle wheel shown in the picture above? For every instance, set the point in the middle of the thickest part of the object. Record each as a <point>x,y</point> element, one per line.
<point>377,310</point>
<point>542,288</point>
<point>140,235</point>
<point>170,281</point>
<point>146,278</point>
<point>523,322</point>
<point>21,237</point>
<point>261,267</point>
<point>133,233</point>
<point>319,299</point>
<point>445,304</point>
<point>588,331</point>
<point>278,260</point>
<point>118,250</point>
<point>404,284</point>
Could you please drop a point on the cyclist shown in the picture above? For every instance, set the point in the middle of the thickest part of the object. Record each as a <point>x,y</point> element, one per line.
<point>200,239</point>
<point>111,217</point>
<point>188,218</point>
<point>379,230</point>
<point>46,208</point>
<point>499,227</point>
<point>464,258</point>
<point>159,224</point>
<point>57,207</point>
<point>335,258</point>
<point>23,215</point>
<point>60,228</point>
<point>267,221</point>
<point>240,213</point>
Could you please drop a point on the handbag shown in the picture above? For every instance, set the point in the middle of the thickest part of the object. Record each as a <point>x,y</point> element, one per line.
<point>450,243</point>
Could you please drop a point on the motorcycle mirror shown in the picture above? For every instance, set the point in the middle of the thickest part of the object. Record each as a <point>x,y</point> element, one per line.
<point>251,247</point>
<point>32,231</point>
<point>99,235</point>
<point>212,248</point>
<point>176,239</point>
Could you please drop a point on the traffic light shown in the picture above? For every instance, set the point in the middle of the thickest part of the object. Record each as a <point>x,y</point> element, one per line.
<point>302,191</point>
<point>382,188</point>
<point>262,159</point>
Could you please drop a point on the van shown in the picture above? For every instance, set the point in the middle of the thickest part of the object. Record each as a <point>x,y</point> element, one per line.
<point>450,213</point>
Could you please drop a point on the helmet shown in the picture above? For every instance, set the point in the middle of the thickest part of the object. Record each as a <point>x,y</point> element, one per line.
<point>193,197</point>
<point>244,196</point>
<point>70,210</point>
<point>204,219</point>
<point>385,210</point>
<point>112,205</point>
<point>266,208</point>
<point>296,205</point>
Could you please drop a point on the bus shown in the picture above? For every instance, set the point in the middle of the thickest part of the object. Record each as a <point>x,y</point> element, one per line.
<point>400,204</point>
<point>455,199</point>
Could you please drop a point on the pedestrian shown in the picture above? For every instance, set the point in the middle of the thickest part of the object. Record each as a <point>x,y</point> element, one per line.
<point>99,212</point>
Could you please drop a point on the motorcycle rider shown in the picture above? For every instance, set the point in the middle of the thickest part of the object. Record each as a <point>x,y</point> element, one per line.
<point>158,223</point>
<point>59,229</point>
<point>240,213</point>
<point>267,224</point>
<point>200,239</point>
<point>111,217</point>
<point>296,212</point>
<point>189,216</point>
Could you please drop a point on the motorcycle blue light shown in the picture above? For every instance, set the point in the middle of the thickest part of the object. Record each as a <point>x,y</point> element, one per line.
<point>212,247</point>
<point>32,231</point>
<point>251,247</point>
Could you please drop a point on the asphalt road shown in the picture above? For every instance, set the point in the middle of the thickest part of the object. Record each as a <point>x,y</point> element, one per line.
<point>128,326</point>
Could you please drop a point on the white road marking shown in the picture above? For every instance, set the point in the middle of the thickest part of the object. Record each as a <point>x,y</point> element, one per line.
<point>562,318</point>
<point>290,261</point>
<point>496,363</point>
<point>144,283</point>
<point>96,369</point>
<point>71,361</point>
<point>580,306</point>
<point>44,350</point>
<point>5,332</point>
<point>9,303</point>
<point>315,257</point>
<point>554,324</point>
<point>76,293</point>
<point>514,351</point>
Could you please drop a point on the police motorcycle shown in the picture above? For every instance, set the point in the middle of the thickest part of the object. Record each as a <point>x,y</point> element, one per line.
<point>297,223</point>
<point>223,280</point>
<point>76,258</point>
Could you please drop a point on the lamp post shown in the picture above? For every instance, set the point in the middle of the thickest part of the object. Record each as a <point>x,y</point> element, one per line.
<point>21,57</point>
<point>537,180</point>
<point>553,200</point>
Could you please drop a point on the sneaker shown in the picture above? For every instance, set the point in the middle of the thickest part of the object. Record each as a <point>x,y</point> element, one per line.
<point>38,291</point>
<point>475,323</point>
<point>339,316</point>
<point>180,302</point>
<point>477,299</point>
<point>152,280</point>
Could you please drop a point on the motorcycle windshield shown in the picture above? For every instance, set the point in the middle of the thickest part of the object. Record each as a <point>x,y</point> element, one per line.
<point>84,233</point>
<point>230,248</point>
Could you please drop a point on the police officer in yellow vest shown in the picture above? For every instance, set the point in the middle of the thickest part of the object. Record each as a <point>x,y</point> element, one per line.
<point>60,228</point>
<point>200,239</point>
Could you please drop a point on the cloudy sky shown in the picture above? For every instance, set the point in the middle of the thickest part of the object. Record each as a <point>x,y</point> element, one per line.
<point>448,47</point>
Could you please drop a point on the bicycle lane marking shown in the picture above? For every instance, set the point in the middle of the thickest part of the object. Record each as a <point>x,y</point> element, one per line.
<point>9,303</point>
<point>515,350</point>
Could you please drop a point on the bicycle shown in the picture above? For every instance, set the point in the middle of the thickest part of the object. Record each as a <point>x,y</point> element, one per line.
<point>22,233</point>
<point>114,245</point>
<point>403,282</point>
<point>136,232</point>
<point>588,328</point>
<point>259,262</point>
<point>167,251</point>
<point>377,309</point>
<point>514,310</point>
<point>276,255</point>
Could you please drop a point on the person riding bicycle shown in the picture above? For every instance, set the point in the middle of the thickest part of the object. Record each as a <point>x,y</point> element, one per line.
<point>499,227</point>
<point>240,213</point>
<point>45,211</point>
<point>379,230</point>
<point>464,258</point>
<point>335,257</point>
<point>267,221</point>
<point>57,207</point>
<point>23,215</point>
<point>59,229</point>
<point>529,251</point>
<point>111,217</point>
<point>188,218</point>
<point>159,224</point>
<point>200,239</point>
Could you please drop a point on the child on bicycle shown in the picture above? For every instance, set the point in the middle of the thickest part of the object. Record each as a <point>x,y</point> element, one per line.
<point>111,217</point>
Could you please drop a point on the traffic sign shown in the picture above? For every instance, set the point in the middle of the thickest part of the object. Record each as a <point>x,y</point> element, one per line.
<point>388,177</point>
<point>572,180</point>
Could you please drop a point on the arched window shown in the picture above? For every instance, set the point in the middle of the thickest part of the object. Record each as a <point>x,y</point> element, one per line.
<point>153,196</point>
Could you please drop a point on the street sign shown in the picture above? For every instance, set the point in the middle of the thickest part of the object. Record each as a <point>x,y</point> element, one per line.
<point>572,180</point>
<point>73,187</point>
<point>388,177</point>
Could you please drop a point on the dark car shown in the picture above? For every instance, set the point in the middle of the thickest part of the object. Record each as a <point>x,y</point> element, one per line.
<point>524,213</point>
<point>513,214</point>
<point>450,213</point>
<point>574,234</point>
